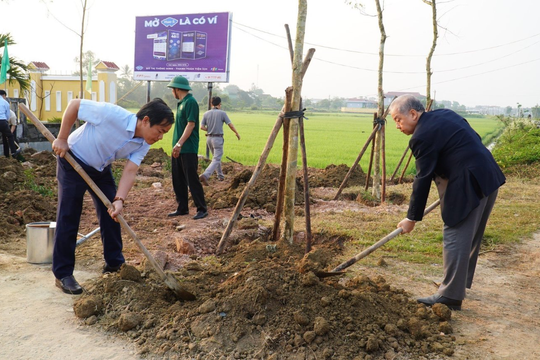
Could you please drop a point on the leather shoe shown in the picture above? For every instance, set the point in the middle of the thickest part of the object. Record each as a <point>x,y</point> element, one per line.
<point>437,298</point>
<point>178,213</point>
<point>69,285</point>
<point>200,215</point>
<point>110,269</point>
<point>17,152</point>
<point>203,180</point>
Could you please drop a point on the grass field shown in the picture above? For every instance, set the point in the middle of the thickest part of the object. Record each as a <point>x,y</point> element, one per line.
<point>330,138</point>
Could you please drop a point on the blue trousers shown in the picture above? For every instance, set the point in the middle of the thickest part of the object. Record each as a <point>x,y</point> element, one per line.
<point>71,190</point>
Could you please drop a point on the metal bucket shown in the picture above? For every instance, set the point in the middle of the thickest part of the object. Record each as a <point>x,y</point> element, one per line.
<point>40,242</point>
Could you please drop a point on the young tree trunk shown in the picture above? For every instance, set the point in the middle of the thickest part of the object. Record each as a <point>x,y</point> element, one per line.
<point>292,158</point>
<point>376,191</point>
<point>432,50</point>
<point>81,50</point>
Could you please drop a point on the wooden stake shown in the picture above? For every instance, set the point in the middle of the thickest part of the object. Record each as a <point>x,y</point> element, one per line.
<point>399,163</point>
<point>283,170</point>
<point>383,162</point>
<point>245,192</point>
<point>368,175</point>
<point>405,168</point>
<point>306,185</point>
<point>353,167</point>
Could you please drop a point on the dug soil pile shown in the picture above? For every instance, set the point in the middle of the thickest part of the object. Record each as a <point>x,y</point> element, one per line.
<point>264,301</point>
<point>259,300</point>
<point>26,196</point>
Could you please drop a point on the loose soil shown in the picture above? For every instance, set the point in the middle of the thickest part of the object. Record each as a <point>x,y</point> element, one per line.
<point>260,299</point>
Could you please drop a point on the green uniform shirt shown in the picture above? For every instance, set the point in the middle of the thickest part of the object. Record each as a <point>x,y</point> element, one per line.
<point>187,110</point>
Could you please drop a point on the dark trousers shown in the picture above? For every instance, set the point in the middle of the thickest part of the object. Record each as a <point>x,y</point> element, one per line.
<point>184,176</point>
<point>7,138</point>
<point>461,245</point>
<point>71,190</point>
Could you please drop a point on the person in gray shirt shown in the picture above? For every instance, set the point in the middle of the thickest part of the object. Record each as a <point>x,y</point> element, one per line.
<point>212,123</point>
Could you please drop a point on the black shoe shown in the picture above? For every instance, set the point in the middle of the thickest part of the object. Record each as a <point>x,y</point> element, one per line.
<point>203,180</point>
<point>110,269</point>
<point>200,215</point>
<point>434,299</point>
<point>17,152</point>
<point>178,213</point>
<point>69,285</point>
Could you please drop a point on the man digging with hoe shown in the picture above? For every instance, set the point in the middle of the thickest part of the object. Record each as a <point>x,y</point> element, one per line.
<point>109,133</point>
<point>448,151</point>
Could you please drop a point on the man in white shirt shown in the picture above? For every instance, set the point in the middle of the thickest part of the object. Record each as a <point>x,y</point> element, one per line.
<point>7,136</point>
<point>109,133</point>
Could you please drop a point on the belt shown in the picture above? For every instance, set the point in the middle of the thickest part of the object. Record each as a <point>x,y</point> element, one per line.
<point>215,135</point>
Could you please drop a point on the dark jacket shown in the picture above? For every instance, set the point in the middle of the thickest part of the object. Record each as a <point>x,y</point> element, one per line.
<point>444,144</point>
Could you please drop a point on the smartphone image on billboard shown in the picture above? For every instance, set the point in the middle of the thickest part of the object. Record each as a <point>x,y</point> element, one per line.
<point>188,45</point>
<point>159,50</point>
<point>200,45</point>
<point>174,45</point>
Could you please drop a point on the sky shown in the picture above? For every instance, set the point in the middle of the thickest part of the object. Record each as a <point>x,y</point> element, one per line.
<point>488,51</point>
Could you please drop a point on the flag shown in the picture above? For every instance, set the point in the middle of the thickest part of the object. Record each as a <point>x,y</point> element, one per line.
<point>5,64</point>
<point>89,77</point>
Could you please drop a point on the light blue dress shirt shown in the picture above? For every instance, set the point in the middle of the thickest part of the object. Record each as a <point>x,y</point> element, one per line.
<point>4,109</point>
<point>107,135</point>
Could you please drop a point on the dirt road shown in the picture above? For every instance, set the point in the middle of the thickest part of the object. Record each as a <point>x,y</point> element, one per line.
<point>500,318</point>
<point>37,320</point>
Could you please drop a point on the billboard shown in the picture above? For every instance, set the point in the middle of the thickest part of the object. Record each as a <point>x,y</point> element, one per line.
<point>196,46</point>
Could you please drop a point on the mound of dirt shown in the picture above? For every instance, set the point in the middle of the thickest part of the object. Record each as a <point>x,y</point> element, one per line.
<point>156,156</point>
<point>255,303</point>
<point>333,176</point>
<point>262,195</point>
<point>20,201</point>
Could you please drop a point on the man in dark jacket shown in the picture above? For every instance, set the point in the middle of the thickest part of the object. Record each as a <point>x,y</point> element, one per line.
<point>448,151</point>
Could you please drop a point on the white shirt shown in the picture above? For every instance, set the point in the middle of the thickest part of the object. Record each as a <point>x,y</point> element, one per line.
<point>107,135</point>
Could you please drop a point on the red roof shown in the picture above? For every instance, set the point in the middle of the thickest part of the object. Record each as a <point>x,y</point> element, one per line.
<point>110,65</point>
<point>40,65</point>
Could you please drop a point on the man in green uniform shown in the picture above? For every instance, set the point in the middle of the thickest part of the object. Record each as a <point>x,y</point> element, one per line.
<point>185,161</point>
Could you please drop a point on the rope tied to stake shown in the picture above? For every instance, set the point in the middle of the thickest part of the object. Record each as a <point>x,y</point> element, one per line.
<point>293,114</point>
<point>379,121</point>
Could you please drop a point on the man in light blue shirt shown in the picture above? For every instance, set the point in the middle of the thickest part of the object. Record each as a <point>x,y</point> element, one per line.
<point>4,125</point>
<point>109,133</point>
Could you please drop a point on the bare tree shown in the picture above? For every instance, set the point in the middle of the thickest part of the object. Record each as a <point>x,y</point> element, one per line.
<point>292,158</point>
<point>84,6</point>
<point>429,72</point>
<point>376,191</point>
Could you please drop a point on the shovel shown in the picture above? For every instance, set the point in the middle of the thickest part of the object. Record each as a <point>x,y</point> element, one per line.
<point>377,245</point>
<point>168,279</point>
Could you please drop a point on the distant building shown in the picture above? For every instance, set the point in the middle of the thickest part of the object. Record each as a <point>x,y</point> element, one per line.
<point>50,94</point>
<point>358,105</point>
<point>486,110</point>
